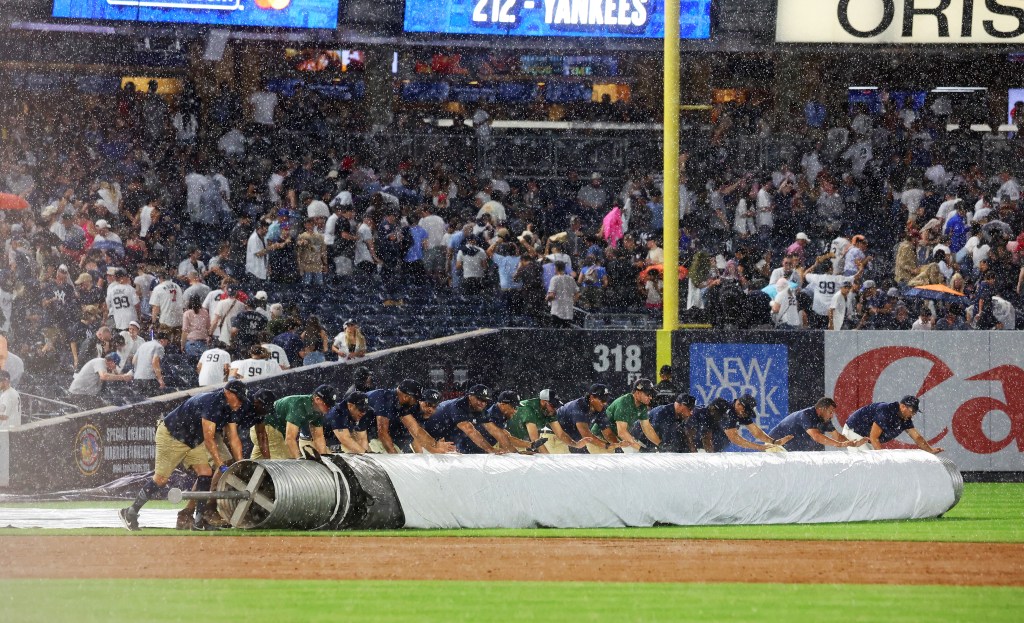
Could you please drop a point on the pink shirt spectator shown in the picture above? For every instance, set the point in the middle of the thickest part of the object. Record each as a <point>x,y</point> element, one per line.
<point>196,326</point>
<point>611,227</point>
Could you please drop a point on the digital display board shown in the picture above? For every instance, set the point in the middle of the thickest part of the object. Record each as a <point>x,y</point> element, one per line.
<point>267,13</point>
<point>556,18</point>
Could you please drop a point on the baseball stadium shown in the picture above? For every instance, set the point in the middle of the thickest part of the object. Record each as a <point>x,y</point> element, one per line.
<point>322,310</point>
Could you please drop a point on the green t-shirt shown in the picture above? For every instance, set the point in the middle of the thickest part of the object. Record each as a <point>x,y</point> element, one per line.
<point>529,412</point>
<point>298,410</point>
<point>623,409</point>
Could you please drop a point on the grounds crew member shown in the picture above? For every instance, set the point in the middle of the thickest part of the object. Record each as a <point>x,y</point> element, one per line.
<point>881,422</point>
<point>677,426</point>
<point>400,420</point>
<point>812,429</point>
<point>362,381</point>
<point>353,423</point>
<point>188,436</point>
<point>251,418</point>
<point>666,389</point>
<point>289,416</point>
<point>493,427</point>
<point>743,412</point>
<point>628,409</point>
<point>455,420</point>
<point>535,414</point>
<point>578,416</point>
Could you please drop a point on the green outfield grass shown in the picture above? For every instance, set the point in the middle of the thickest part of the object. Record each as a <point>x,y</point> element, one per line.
<point>988,512</point>
<point>264,601</point>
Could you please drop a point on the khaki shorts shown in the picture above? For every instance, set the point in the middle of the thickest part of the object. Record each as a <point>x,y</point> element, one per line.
<point>591,448</point>
<point>170,453</point>
<point>278,447</point>
<point>555,445</point>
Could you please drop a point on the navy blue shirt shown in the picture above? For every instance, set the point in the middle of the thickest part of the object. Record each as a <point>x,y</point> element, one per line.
<point>444,424</point>
<point>671,428</point>
<point>797,424</point>
<point>732,419</point>
<point>493,415</point>
<point>292,344</point>
<point>339,418</point>
<point>578,412</point>
<point>885,414</point>
<point>384,403</point>
<point>186,422</point>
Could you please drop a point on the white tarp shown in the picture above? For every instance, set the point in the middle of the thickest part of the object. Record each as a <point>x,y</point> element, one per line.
<point>25,516</point>
<point>617,490</point>
<point>969,383</point>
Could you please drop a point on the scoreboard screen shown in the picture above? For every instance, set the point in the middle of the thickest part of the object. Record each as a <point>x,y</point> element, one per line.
<point>266,13</point>
<point>556,18</point>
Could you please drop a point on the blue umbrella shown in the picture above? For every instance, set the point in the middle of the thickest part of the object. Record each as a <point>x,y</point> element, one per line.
<point>109,245</point>
<point>772,291</point>
<point>936,293</point>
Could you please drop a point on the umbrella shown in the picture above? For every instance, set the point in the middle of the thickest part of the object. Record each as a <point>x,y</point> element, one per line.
<point>1002,226</point>
<point>683,271</point>
<point>772,291</point>
<point>109,245</point>
<point>12,202</point>
<point>936,292</point>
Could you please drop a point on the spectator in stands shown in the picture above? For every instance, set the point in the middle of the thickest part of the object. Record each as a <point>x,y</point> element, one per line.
<point>89,381</point>
<point>311,255</point>
<point>167,305</point>
<point>195,329</point>
<point>952,320</point>
<point>149,378</point>
<point>562,295</point>
<point>350,343</point>
<point>10,403</point>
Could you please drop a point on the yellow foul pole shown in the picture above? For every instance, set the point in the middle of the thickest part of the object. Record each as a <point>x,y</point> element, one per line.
<point>670,310</point>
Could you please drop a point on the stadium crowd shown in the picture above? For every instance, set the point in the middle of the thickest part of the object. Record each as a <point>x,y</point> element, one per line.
<point>146,232</point>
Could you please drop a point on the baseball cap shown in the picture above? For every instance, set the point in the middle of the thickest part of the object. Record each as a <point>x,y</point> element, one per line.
<point>846,284</point>
<point>362,373</point>
<point>549,395</point>
<point>134,324</point>
<point>912,402</point>
<point>431,396</point>
<point>893,293</point>
<point>282,212</point>
<point>718,406</point>
<point>411,387</point>
<point>595,175</point>
<point>237,388</point>
<point>264,398</point>
<point>600,390</point>
<point>666,370</point>
<point>63,268</point>
<point>326,393</point>
<point>114,357</point>
<point>349,323</point>
<point>686,400</point>
<point>867,285</point>
<point>508,397</point>
<point>644,385</point>
<point>261,295</point>
<point>102,224</point>
<point>480,391</point>
<point>111,270</point>
<point>749,404</point>
<point>803,236</point>
<point>359,399</point>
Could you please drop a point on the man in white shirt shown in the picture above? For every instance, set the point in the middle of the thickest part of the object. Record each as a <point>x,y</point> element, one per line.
<point>103,233</point>
<point>213,367</point>
<point>132,342</point>
<point>434,225</point>
<point>149,375</point>
<point>765,210</point>
<point>785,308</point>
<point>562,294</point>
<point>167,306</point>
<point>90,379</point>
<point>263,105</point>
<point>655,254</point>
<point>122,301</point>
<point>10,403</point>
<point>192,263</point>
<point>258,365</point>
<point>472,263</point>
<point>837,308</point>
<point>224,314</point>
<point>365,258</point>
<point>256,265</point>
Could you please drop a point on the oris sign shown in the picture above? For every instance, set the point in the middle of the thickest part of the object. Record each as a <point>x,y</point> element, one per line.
<point>971,386</point>
<point>900,21</point>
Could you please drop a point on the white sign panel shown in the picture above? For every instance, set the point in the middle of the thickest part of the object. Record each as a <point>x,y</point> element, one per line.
<point>971,386</point>
<point>900,21</point>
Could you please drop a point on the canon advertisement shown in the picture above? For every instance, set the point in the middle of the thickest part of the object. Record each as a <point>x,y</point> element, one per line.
<point>968,382</point>
<point>900,21</point>
<point>556,18</point>
<point>267,13</point>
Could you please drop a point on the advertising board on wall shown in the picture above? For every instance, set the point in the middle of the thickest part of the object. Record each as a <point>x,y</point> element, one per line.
<point>556,18</point>
<point>969,384</point>
<point>267,13</point>
<point>900,21</point>
<point>733,370</point>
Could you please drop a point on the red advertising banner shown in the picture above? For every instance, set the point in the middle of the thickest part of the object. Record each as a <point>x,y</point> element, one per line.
<point>970,383</point>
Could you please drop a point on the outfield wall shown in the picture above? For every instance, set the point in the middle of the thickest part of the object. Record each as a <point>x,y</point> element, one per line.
<point>971,386</point>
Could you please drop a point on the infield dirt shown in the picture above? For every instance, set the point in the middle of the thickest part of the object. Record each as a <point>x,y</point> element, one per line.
<point>511,559</point>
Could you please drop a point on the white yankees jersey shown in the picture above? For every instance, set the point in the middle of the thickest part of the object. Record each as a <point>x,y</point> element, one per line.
<point>254,368</point>
<point>825,287</point>
<point>121,301</point>
<point>168,297</point>
<point>211,366</point>
<point>278,354</point>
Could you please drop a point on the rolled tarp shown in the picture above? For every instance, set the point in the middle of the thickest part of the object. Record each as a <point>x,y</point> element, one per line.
<point>615,490</point>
